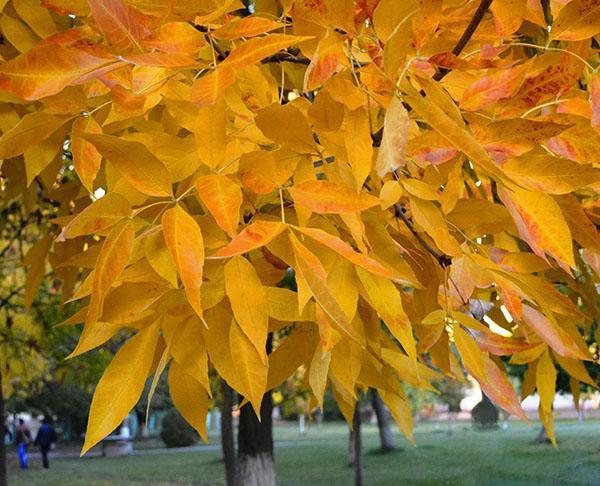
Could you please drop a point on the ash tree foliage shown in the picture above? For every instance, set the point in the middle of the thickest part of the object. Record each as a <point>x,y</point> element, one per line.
<point>407,161</point>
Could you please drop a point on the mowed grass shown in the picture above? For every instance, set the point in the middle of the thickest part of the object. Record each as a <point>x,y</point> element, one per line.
<point>319,457</point>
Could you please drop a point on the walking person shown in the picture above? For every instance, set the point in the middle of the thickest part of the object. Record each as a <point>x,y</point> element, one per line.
<point>23,438</point>
<point>44,439</point>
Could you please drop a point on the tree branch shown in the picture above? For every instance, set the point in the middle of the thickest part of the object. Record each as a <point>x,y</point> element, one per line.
<point>443,259</point>
<point>467,34</point>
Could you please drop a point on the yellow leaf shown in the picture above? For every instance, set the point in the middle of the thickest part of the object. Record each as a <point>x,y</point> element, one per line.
<point>501,392</point>
<point>189,398</point>
<point>252,372</point>
<point>135,163</point>
<point>357,140</point>
<point>86,158</point>
<point>344,249</point>
<point>576,369</point>
<point>577,20</point>
<point>29,76</point>
<point>400,409</point>
<point>448,128</point>
<point>419,189</point>
<point>98,216</point>
<point>210,133</point>
<point>290,355</point>
<point>93,335</point>
<point>471,355</point>
<point>248,300</point>
<point>217,333</point>
<point>551,175</point>
<point>246,27</point>
<point>255,235</point>
<point>185,341</point>
<point>286,125</point>
<point>508,15</point>
<point>184,238</point>
<point>31,129</point>
<point>384,297</point>
<point>325,197</point>
<point>430,218</point>
<point>311,270</point>
<point>254,50</point>
<point>121,385</point>
<point>540,223</point>
<point>223,198</point>
<point>545,380</point>
<point>159,257</point>
<point>111,262</point>
<point>394,141</point>
<point>554,335</point>
<point>317,374</point>
<point>207,89</point>
<point>327,60</point>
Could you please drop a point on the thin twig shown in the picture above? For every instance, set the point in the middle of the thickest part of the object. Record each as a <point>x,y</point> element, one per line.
<point>467,34</point>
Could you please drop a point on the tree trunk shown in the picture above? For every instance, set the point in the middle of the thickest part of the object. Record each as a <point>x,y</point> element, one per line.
<point>142,431</point>
<point>227,433</point>
<point>542,437</point>
<point>359,473</point>
<point>351,451</point>
<point>3,472</point>
<point>255,462</point>
<point>383,422</point>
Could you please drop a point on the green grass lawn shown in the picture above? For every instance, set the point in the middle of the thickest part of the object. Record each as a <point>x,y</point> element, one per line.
<point>319,458</point>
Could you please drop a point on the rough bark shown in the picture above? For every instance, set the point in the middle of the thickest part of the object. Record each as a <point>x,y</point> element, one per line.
<point>255,462</point>
<point>359,473</point>
<point>3,471</point>
<point>227,444</point>
<point>383,422</point>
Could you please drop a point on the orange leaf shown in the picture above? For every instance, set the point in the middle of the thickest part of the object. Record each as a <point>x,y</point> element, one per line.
<point>327,60</point>
<point>246,27</point>
<point>254,50</point>
<point>111,262</point>
<point>577,20</point>
<point>123,26</point>
<point>508,15</point>
<point>496,85</point>
<point>500,345</point>
<point>344,249</point>
<point>135,163</point>
<point>325,197</point>
<point>86,158</point>
<point>556,337</point>
<point>208,88</point>
<point>253,236</point>
<point>500,391</point>
<point>311,270</point>
<point>48,69</point>
<point>223,198</point>
<point>184,238</point>
<point>540,223</point>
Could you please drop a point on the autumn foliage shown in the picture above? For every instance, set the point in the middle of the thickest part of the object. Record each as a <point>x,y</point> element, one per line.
<point>414,164</point>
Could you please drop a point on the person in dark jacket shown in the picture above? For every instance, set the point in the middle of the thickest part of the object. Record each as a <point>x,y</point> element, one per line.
<point>23,438</point>
<point>44,439</point>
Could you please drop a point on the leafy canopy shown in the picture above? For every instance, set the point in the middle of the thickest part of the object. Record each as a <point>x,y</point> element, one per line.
<point>416,164</point>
